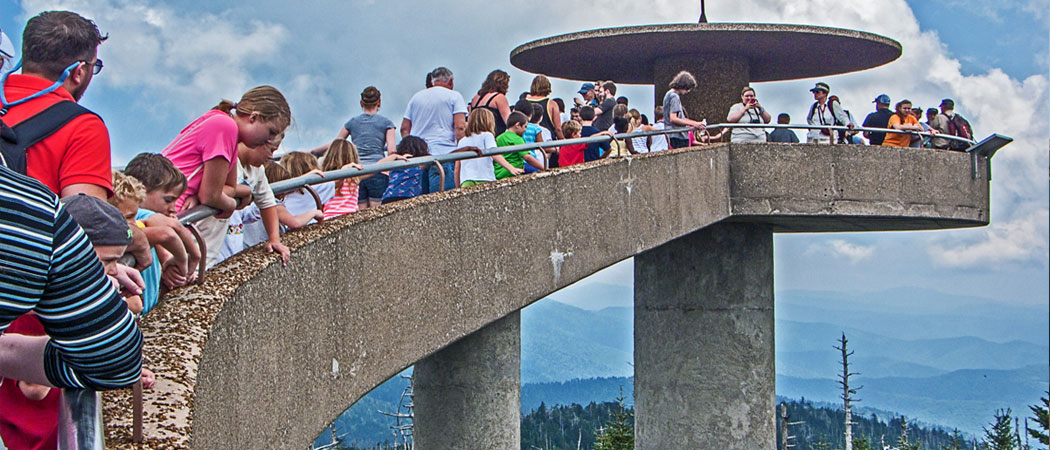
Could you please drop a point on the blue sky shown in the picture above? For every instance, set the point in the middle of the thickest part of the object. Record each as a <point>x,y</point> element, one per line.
<point>167,62</point>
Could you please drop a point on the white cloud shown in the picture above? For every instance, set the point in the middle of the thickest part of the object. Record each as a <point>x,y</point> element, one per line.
<point>174,61</point>
<point>839,248</point>
<point>1019,241</point>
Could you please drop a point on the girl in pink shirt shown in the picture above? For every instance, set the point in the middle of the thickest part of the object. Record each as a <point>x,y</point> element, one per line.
<point>206,152</point>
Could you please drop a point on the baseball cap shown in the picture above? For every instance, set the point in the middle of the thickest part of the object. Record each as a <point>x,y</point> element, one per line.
<point>587,87</point>
<point>102,223</point>
<point>883,99</point>
<point>948,103</point>
<point>821,86</point>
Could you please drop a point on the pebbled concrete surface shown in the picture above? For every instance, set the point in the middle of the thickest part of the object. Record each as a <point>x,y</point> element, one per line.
<point>264,356</point>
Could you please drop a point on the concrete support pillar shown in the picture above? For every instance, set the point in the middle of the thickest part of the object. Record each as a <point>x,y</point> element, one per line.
<point>468,395</point>
<point>703,341</point>
<point>719,78</point>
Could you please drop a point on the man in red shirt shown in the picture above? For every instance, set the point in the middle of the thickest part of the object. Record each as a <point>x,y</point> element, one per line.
<point>59,58</point>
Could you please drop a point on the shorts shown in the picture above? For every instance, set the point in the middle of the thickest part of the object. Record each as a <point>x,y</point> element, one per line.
<point>677,142</point>
<point>470,183</point>
<point>372,188</point>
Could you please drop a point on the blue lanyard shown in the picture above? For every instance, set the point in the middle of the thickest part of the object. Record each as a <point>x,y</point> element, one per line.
<point>4,105</point>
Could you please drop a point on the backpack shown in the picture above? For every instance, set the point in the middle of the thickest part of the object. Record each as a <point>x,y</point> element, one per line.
<point>15,140</point>
<point>958,126</point>
<point>843,136</point>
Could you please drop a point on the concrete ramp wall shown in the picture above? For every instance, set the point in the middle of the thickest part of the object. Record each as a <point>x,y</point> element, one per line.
<point>264,356</point>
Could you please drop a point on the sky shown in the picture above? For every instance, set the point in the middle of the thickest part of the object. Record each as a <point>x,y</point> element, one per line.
<point>166,62</point>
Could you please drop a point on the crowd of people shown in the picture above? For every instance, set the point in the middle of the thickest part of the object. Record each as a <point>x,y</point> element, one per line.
<point>86,250</point>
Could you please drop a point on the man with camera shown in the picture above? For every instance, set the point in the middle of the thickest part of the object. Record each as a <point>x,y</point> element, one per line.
<point>748,111</point>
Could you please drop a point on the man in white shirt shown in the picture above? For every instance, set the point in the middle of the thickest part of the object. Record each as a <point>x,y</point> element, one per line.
<point>438,115</point>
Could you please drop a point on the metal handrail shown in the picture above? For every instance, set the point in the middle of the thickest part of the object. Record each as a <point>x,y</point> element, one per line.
<point>202,211</point>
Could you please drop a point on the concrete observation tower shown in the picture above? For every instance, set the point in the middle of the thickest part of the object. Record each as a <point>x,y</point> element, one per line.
<point>704,334</point>
<point>724,57</point>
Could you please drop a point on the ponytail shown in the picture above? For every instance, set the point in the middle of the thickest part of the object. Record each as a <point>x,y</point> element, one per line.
<point>266,101</point>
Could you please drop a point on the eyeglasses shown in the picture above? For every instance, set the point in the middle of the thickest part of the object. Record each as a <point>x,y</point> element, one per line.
<point>97,67</point>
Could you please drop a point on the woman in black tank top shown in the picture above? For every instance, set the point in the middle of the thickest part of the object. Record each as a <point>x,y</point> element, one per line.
<point>493,97</point>
<point>539,93</point>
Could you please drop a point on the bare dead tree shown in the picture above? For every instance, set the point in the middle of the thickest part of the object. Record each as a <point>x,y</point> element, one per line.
<point>847,391</point>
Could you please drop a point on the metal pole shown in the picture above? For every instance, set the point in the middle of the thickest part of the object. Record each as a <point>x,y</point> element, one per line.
<point>80,420</point>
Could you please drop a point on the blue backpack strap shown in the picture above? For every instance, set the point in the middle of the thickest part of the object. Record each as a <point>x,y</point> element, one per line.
<point>15,140</point>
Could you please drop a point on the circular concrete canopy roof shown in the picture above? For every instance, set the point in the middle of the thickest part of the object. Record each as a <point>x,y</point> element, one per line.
<point>776,52</point>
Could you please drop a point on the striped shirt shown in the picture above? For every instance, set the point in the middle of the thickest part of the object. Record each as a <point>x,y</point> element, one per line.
<point>48,266</point>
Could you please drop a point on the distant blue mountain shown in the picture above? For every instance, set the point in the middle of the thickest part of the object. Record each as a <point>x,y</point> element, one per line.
<point>561,342</point>
<point>964,398</point>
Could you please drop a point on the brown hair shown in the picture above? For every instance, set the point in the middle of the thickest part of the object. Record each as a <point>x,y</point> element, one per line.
<point>497,81</point>
<point>480,121</point>
<point>570,128</point>
<point>745,89</point>
<point>275,172</point>
<point>340,153</point>
<point>684,80</point>
<point>54,40</point>
<point>267,101</point>
<point>126,187</point>
<point>370,97</point>
<point>298,163</point>
<point>609,86</point>
<point>636,118</point>
<point>541,86</point>
<point>156,172</point>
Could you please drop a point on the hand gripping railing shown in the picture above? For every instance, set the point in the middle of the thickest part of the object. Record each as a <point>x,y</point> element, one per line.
<point>80,422</point>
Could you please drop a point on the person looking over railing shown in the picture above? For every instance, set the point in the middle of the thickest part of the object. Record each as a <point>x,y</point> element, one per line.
<point>493,97</point>
<point>674,113</point>
<point>48,266</point>
<point>408,182</point>
<point>206,152</point>
<point>299,201</point>
<point>902,120</point>
<point>164,185</point>
<point>880,118</point>
<point>264,204</point>
<point>751,112</point>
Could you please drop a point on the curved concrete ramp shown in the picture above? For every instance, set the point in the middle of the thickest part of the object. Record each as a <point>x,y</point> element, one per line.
<point>262,356</point>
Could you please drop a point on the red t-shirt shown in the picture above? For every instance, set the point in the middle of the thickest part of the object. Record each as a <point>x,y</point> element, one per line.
<point>76,153</point>
<point>26,424</point>
<point>571,154</point>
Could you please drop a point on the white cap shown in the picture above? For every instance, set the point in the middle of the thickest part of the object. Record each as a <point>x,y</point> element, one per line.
<point>7,49</point>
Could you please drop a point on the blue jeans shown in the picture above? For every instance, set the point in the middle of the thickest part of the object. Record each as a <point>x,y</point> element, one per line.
<point>435,178</point>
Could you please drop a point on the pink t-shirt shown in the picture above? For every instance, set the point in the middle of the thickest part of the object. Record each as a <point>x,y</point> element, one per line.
<point>212,135</point>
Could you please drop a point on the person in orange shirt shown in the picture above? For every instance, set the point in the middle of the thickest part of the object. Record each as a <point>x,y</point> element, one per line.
<point>902,120</point>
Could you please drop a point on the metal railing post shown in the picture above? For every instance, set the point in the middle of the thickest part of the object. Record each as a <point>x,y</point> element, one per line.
<point>80,420</point>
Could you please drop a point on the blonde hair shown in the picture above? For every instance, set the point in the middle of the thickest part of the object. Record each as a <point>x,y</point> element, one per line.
<point>298,163</point>
<point>266,101</point>
<point>480,121</point>
<point>570,128</point>
<point>340,153</point>
<point>636,118</point>
<point>126,187</point>
<point>541,86</point>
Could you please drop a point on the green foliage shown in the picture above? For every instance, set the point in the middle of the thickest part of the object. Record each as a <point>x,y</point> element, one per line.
<point>563,426</point>
<point>1041,417</point>
<point>618,433</point>
<point>821,422</point>
<point>956,442</point>
<point>862,443</point>
<point>1001,435</point>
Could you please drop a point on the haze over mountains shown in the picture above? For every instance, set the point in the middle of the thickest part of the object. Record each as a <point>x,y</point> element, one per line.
<point>937,358</point>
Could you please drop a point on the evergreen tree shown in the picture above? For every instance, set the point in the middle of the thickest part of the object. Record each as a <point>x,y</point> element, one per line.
<point>1042,416</point>
<point>1000,436</point>
<point>822,444</point>
<point>618,433</point>
<point>957,442</point>
<point>862,443</point>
